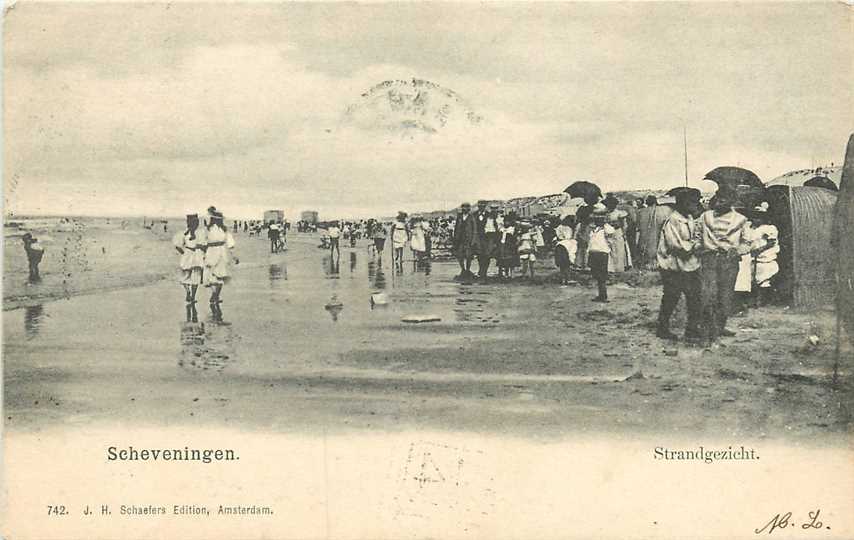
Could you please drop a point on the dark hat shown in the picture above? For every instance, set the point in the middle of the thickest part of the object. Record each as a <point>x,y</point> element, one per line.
<point>687,195</point>
<point>465,205</point>
<point>726,195</point>
<point>192,216</point>
<point>482,202</point>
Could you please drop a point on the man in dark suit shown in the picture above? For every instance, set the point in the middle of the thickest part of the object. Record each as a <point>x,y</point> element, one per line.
<point>465,240</point>
<point>487,236</point>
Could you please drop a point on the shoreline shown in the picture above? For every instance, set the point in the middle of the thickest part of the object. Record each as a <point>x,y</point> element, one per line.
<point>16,302</point>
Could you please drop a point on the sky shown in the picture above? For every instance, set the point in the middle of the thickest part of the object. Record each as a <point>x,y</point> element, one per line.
<point>164,109</point>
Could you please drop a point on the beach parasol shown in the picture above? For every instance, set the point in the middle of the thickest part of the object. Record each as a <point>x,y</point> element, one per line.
<point>734,176</point>
<point>822,182</point>
<point>584,190</point>
<point>749,189</point>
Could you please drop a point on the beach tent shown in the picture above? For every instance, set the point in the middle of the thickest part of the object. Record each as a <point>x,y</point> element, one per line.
<point>822,182</point>
<point>799,177</point>
<point>804,217</point>
<point>843,243</point>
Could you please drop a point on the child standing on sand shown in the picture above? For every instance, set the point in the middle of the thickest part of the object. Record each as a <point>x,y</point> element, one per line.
<point>191,244</point>
<point>508,247</point>
<point>527,249</point>
<point>218,259</point>
<point>598,250</point>
<point>334,234</point>
<point>399,237</point>
<point>34,252</point>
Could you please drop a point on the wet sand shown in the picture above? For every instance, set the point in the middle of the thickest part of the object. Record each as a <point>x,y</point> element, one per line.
<point>87,255</point>
<point>527,359</point>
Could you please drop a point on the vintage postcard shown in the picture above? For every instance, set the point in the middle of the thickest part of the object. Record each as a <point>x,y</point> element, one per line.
<point>466,270</point>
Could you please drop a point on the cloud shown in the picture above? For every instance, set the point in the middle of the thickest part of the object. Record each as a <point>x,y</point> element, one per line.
<point>146,107</point>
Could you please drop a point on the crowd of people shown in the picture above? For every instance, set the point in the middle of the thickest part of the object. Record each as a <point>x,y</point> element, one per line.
<point>707,255</point>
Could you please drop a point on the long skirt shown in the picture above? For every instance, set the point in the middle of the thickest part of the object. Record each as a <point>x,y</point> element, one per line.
<point>618,258</point>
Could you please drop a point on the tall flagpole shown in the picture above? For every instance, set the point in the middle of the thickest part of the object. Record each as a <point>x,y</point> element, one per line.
<point>685,141</point>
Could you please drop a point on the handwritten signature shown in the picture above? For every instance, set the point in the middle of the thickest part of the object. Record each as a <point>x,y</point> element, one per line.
<point>783,521</point>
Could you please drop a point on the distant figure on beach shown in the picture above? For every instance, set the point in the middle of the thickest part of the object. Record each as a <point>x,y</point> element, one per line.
<point>399,237</point>
<point>191,244</point>
<point>619,259</point>
<point>651,219</point>
<point>379,235</point>
<point>283,236</point>
<point>507,254</point>
<point>599,250</point>
<point>486,218</point>
<point>334,234</point>
<point>583,221</point>
<point>34,252</point>
<point>527,249</point>
<point>465,240</point>
<point>217,259</point>
<point>273,232</point>
<point>419,238</point>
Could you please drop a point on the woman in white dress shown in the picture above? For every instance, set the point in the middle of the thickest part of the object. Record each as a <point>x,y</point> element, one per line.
<point>619,259</point>
<point>191,244</point>
<point>218,258</point>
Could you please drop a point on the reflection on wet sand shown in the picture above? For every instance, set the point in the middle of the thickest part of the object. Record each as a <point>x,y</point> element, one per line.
<point>330,266</point>
<point>192,313</point>
<point>334,307</point>
<point>376,276</point>
<point>276,273</point>
<point>33,318</point>
<point>352,261</point>
<point>206,346</point>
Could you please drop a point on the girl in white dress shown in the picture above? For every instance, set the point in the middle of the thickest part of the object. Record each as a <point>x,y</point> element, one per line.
<point>191,244</point>
<point>418,243</point>
<point>399,236</point>
<point>218,258</point>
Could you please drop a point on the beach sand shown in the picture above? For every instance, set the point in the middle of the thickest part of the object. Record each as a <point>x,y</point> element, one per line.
<point>526,358</point>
